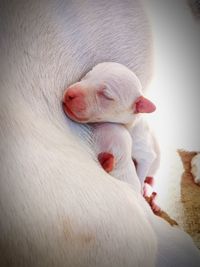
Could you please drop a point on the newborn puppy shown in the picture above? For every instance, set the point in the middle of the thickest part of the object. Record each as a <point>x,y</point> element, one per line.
<point>112,144</point>
<point>110,92</point>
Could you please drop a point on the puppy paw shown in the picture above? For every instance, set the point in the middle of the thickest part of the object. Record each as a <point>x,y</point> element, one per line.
<point>107,161</point>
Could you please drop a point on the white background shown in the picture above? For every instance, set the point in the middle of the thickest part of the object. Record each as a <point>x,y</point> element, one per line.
<point>176,85</point>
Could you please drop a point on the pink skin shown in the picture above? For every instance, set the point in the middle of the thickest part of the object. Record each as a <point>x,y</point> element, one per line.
<point>155,208</point>
<point>143,105</point>
<point>149,180</point>
<point>107,161</point>
<point>148,183</point>
<point>74,104</point>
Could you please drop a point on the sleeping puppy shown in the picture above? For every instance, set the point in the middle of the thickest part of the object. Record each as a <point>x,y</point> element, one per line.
<point>110,92</point>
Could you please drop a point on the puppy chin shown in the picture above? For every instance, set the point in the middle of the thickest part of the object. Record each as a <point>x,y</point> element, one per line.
<point>71,114</point>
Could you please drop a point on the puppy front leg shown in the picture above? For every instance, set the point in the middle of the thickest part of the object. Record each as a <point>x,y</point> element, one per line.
<point>142,168</point>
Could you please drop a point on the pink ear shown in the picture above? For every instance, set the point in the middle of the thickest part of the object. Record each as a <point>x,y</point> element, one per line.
<point>143,105</point>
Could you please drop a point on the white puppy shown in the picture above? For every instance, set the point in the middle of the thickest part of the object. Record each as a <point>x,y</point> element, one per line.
<point>57,206</point>
<point>110,92</point>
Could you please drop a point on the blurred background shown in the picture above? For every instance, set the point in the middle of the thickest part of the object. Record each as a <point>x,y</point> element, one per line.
<point>176,91</point>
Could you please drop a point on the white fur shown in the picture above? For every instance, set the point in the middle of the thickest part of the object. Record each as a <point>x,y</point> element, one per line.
<point>115,139</point>
<point>118,83</point>
<point>123,87</point>
<point>57,206</point>
<point>145,149</point>
<point>196,168</point>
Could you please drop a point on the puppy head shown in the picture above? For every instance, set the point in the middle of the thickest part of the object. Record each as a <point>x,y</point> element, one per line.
<point>110,92</point>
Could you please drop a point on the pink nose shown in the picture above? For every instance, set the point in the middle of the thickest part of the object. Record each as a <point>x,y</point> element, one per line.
<point>74,99</point>
<point>72,94</point>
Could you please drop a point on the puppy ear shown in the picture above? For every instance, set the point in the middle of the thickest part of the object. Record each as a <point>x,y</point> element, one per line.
<point>143,105</point>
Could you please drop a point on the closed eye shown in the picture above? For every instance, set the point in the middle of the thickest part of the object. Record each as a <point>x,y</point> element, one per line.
<point>106,95</point>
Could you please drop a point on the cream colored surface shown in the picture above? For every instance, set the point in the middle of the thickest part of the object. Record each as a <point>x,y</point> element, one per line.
<point>179,196</point>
